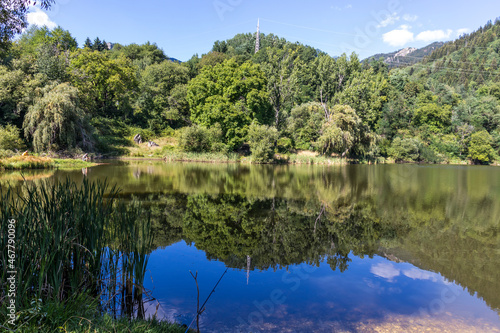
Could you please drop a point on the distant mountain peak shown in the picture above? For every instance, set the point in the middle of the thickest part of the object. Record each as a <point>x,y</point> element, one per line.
<point>404,52</point>
<point>406,56</point>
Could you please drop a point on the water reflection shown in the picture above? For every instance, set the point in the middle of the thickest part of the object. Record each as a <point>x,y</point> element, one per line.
<point>325,248</point>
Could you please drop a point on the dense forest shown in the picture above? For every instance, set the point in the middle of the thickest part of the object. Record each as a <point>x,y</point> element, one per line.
<point>58,97</point>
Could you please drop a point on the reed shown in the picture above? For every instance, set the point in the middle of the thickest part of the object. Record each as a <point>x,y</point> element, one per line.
<point>74,240</point>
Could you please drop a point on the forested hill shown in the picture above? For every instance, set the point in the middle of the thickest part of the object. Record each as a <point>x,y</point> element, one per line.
<point>471,59</point>
<point>55,96</point>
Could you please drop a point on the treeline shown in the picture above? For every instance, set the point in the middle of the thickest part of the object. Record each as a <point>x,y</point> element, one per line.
<point>286,97</point>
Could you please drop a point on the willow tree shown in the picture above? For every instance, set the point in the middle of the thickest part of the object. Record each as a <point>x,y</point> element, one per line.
<point>55,121</point>
<point>344,133</point>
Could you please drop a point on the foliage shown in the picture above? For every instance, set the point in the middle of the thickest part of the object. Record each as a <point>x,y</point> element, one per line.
<point>140,55</point>
<point>304,124</point>
<point>56,120</point>
<point>161,102</point>
<point>201,139</point>
<point>480,149</point>
<point>10,138</point>
<point>229,94</point>
<point>405,149</point>
<point>106,85</point>
<point>447,96</point>
<point>343,133</point>
<point>35,37</point>
<point>282,81</point>
<point>366,92</point>
<point>13,17</point>
<point>262,140</point>
<point>436,117</point>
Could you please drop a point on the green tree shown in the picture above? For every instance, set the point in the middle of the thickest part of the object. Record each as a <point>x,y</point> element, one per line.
<point>157,104</point>
<point>327,86</point>
<point>51,64</point>
<point>282,84</point>
<point>10,138</point>
<point>211,59</point>
<point>366,92</point>
<point>13,17</point>
<point>232,95</point>
<point>55,121</point>
<point>304,124</point>
<point>344,133</point>
<point>406,149</point>
<point>140,55</point>
<point>88,43</point>
<point>200,139</point>
<point>480,149</point>
<point>35,37</point>
<point>106,85</point>
<point>11,93</point>
<point>437,117</point>
<point>262,139</point>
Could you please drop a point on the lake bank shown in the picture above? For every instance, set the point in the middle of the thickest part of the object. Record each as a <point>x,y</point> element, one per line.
<point>36,162</point>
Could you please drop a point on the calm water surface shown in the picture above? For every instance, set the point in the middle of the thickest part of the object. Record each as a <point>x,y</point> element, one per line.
<point>318,249</point>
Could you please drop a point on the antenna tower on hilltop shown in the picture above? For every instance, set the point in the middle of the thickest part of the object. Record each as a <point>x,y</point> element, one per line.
<point>257,38</point>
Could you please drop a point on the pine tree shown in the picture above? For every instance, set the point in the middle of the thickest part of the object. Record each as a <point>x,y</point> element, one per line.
<point>97,45</point>
<point>88,43</point>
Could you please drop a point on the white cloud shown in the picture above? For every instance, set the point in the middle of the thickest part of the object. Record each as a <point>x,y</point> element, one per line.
<point>398,37</point>
<point>390,20</point>
<point>418,274</point>
<point>410,18</point>
<point>462,31</point>
<point>433,35</point>
<point>385,270</point>
<point>40,18</point>
<point>337,8</point>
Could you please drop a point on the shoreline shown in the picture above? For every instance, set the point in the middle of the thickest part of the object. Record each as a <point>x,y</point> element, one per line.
<point>18,163</point>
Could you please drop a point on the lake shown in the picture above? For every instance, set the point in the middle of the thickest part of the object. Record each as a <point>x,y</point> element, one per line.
<point>357,248</point>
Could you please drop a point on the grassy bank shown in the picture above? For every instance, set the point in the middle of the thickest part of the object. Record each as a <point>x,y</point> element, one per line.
<point>35,162</point>
<point>81,315</point>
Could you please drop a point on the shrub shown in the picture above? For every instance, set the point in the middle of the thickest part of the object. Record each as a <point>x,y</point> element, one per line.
<point>199,139</point>
<point>10,138</point>
<point>261,139</point>
<point>480,149</point>
<point>285,145</point>
<point>406,149</point>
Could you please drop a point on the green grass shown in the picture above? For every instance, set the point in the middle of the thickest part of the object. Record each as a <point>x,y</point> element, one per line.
<point>35,162</point>
<point>202,157</point>
<point>80,314</point>
<point>61,163</point>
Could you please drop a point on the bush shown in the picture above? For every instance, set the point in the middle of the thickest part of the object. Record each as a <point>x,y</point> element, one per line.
<point>405,150</point>
<point>261,139</point>
<point>145,133</point>
<point>10,138</point>
<point>197,139</point>
<point>447,144</point>
<point>285,145</point>
<point>480,149</point>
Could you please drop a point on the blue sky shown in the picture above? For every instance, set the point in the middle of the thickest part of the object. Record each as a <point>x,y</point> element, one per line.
<point>183,28</point>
